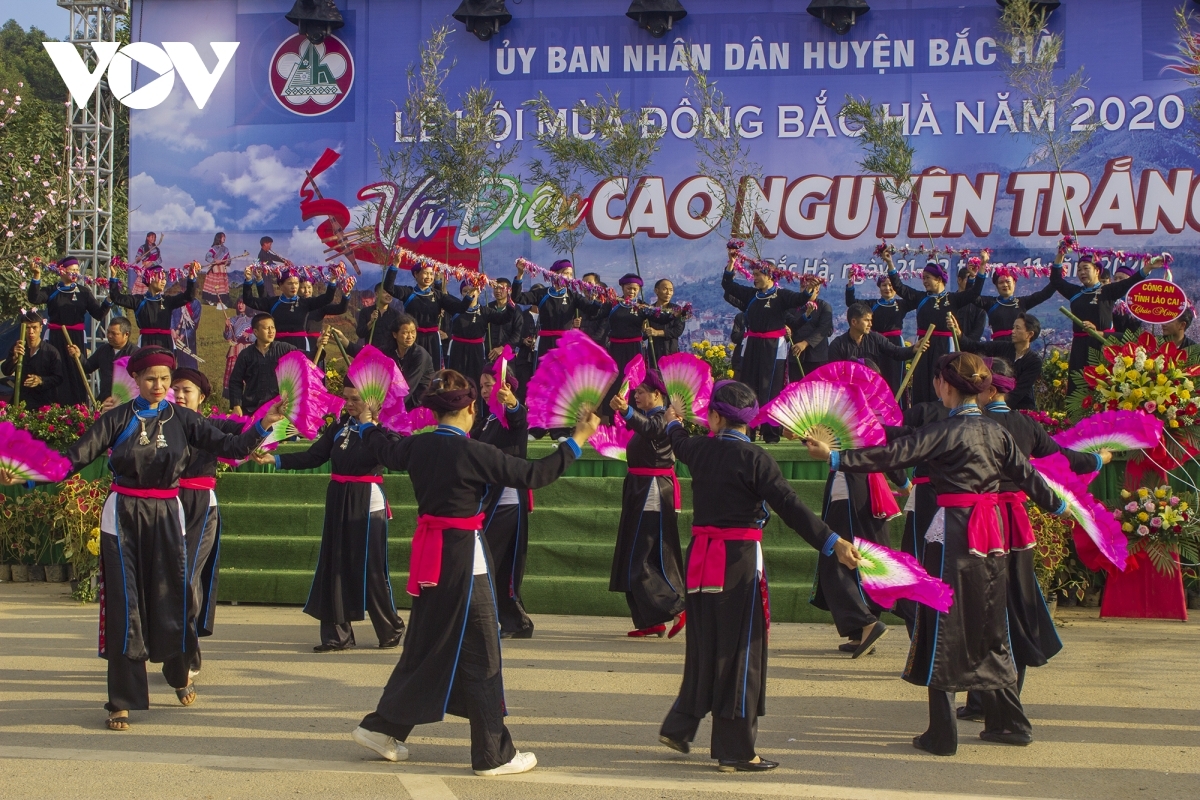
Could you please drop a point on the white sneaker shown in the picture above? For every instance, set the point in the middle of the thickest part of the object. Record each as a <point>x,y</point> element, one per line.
<point>381,743</point>
<point>522,762</point>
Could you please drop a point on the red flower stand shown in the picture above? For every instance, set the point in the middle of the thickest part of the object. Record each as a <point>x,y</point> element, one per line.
<point>1142,592</point>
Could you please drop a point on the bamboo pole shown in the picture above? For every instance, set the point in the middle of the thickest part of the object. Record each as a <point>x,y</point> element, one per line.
<point>912,368</point>
<point>79,365</point>
<point>1066,312</point>
<point>320,348</point>
<point>20,369</point>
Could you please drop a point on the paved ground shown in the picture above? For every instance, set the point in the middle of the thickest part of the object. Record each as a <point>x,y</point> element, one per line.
<point>1116,715</point>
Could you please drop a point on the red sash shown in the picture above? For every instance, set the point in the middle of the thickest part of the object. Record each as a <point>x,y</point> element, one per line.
<point>883,502</point>
<point>890,333</point>
<point>78,327</point>
<point>146,494</point>
<point>291,335</point>
<point>462,340</point>
<point>637,340</point>
<point>425,567</point>
<point>921,333</point>
<point>1086,334</point>
<point>997,334</point>
<point>199,484</point>
<point>378,479</point>
<point>158,332</point>
<point>779,334</point>
<point>921,480</point>
<point>984,536</point>
<point>434,329</point>
<point>706,566</point>
<point>666,472</point>
<point>551,333</point>
<point>1020,537</point>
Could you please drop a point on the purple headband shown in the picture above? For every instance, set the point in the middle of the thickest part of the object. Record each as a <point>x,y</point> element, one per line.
<point>1000,383</point>
<point>451,401</point>
<point>945,369</point>
<point>742,416</point>
<point>630,278</point>
<point>69,261</point>
<point>937,270</point>
<point>560,265</point>
<point>1127,270</point>
<point>654,382</point>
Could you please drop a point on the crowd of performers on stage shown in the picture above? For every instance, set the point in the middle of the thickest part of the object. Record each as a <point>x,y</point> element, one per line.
<point>965,519</point>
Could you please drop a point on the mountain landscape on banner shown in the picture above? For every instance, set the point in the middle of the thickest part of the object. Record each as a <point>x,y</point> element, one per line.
<point>288,144</point>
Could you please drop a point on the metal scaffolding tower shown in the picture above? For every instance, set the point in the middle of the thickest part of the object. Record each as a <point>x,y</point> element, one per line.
<point>91,131</point>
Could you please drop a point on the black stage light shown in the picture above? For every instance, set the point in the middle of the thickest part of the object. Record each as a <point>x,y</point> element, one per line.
<point>656,16</point>
<point>1043,7</point>
<point>838,14</point>
<point>316,18</point>
<point>483,17</point>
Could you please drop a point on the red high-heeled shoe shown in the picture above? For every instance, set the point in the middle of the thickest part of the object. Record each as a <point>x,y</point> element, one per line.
<point>678,626</point>
<point>653,630</point>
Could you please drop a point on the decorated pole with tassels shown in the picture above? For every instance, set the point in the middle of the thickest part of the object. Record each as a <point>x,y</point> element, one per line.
<point>1095,334</point>
<point>20,369</point>
<point>912,367</point>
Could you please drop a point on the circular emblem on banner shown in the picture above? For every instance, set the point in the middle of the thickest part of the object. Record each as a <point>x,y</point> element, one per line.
<point>1156,301</point>
<point>311,79</point>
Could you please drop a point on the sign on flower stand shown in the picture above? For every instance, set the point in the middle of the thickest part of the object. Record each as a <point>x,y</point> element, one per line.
<point>1156,301</point>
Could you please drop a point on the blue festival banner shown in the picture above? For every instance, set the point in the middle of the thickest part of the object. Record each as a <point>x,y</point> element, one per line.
<point>239,165</point>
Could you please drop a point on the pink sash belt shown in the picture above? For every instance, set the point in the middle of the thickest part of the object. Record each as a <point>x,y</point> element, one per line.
<point>921,333</point>
<point>357,479</point>
<point>665,472</point>
<point>291,335</point>
<point>984,536</point>
<point>1021,536</point>
<point>159,332</point>
<point>199,484</point>
<point>146,494</point>
<point>779,334</point>
<point>706,565</point>
<point>883,502</point>
<point>630,340</point>
<point>1085,334</point>
<point>425,567</point>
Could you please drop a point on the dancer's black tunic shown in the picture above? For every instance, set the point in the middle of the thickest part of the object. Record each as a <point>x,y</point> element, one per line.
<point>351,579</point>
<point>625,327</point>
<point>837,588</point>
<point>382,337</point>
<point>1093,304</point>
<point>1027,369</point>
<point>499,334</point>
<point>887,319</point>
<point>467,353</point>
<point>670,320</point>
<point>932,312</point>
<point>967,647</point>
<point>813,326</point>
<point>765,349</point>
<point>152,312</point>
<point>725,668</point>
<point>314,322</point>
<point>648,563</point>
<point>426,307</point>
<point>451,660</point>
<point>69,306</point>
<point>291,313</point>
<point>506,525</point>
<point>102,361</point>
<point>557,309</point>
<point>971,321</point>
<point>147,610</point>
<point>202,537</point>
<point>1002,312</point>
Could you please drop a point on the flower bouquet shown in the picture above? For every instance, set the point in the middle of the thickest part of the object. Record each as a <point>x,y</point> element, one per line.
<point>1051,389</point>
<point>1161,524</point>
<point>718,357</point>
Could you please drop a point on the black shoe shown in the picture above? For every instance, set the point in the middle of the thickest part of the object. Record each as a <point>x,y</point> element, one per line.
<point>524,633</point>
<point>969,714</point>
<point>848,647</point>
<point>762,765</point>
<point>682,747</point>
<point>868,643</point>
<point>326,647</point>
<point>393,642</point>
<point>1018,739</point>
<point>919,743</point>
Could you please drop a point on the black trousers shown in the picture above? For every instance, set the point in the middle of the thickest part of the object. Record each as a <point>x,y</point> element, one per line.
<point>128,689</point>
<point>732,739</point>
<point>478,686</point>
<point>1003,712</point>
<point>501,536</point>
<point>975,698</point>
<point>381,608</point>
<point>941,736</point>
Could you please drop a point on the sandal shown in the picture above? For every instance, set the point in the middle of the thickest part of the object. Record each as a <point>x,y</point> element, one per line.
<point>186,695</point>
<point>120,723</point>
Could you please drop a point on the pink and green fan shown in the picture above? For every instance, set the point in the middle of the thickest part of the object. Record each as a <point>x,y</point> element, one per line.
<point>1113,430</point>
<point>610,441</point>
<point>889,575</point>
<point>419,420</point>
<point>1090,516</point>
<point>380,383</point>
<point>872,385</point>
<point>281,431</point>
<point>500,373</point>
<point>689,383</point>
<point>827,412</point>
<point>307,402</point>
<point>570,382</point>
<point>634,374</point>
<point>28,458</point>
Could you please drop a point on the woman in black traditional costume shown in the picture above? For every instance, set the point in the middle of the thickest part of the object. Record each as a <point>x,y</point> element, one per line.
<point>202,517</point>
<point>662,334</point>
<point>451,659</point>
<point>725,669</point>
<point>933,307</point>
<point>145,611</point>
<point>888,313</point>
<point>763,352</point>
<point>648,563</point>
<point>67,305</point>
<point>467,353</point>
<point>351,579</point>
<point>506,520</point>
<point>152,309</point>
<point>556,308</point>
<point>968,646</point>
<point>425,303</point>
<point>1030,626</point>
<point>291,310</point>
